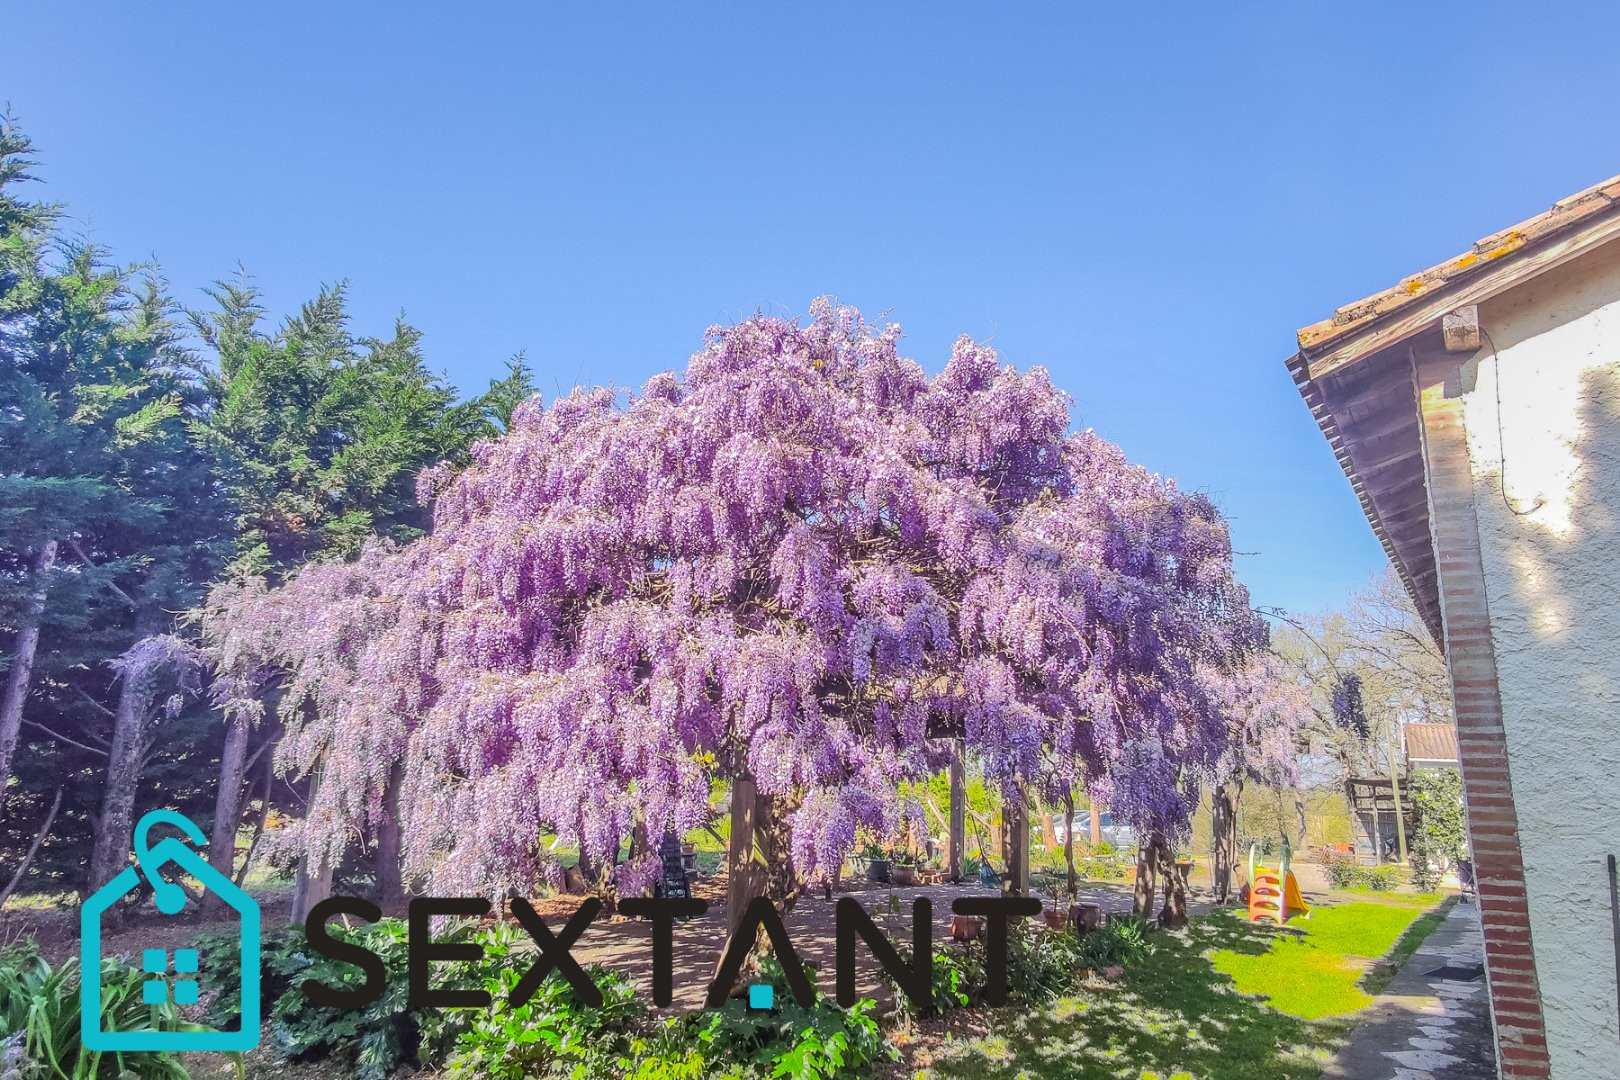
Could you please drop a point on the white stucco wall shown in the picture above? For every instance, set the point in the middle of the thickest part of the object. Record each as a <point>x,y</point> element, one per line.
<point>1549,401</point>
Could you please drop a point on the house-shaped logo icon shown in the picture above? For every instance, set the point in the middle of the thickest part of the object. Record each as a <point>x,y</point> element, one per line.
<point>187,964</point>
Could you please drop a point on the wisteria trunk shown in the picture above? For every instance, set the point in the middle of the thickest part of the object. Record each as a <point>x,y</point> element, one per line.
<point>1146,885</point>
<point>1224,853</point>
<point>228,804</point>
<point>391,892</point>
<point>759,861</point>
<point>1173,916</point>
<point>125,755</point>
<point>22,662</point>
<point>314,881</point>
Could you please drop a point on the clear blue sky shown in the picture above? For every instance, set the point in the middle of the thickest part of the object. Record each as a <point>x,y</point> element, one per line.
<point>1148,204</point>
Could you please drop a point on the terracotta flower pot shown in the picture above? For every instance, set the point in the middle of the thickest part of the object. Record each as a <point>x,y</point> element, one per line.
<point>903,875</point>
<point>966,928</point>
<point>1056,920</point>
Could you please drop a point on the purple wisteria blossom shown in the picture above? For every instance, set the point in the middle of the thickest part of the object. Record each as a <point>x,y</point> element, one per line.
<point>803,560</point>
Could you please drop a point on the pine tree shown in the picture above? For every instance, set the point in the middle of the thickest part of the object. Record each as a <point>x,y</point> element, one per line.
<point>108,520</point>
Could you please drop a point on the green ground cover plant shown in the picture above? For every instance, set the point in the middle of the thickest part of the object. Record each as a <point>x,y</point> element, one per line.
<point>39,1022</point>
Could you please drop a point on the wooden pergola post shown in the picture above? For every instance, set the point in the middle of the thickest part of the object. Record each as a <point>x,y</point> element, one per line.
<point>956,841</point>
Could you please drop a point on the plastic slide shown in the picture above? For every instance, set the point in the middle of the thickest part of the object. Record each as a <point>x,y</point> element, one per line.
<point>1274,894</point>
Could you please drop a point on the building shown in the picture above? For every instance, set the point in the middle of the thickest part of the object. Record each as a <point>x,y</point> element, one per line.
<point>1430,746</point>
<point>1475,408</point>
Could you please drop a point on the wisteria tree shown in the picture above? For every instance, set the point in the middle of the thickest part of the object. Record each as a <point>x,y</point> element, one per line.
<point>804,566</point>
<point>1266,711</point>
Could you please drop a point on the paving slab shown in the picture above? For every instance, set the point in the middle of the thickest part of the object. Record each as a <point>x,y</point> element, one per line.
<point>1433,1022</point>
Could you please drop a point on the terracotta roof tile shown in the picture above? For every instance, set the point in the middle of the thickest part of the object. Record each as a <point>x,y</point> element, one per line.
<point>1564,214</point>
<point>1431,742</point>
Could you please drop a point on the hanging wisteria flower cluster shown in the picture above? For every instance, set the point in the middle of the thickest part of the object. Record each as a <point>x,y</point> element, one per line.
<point>805,561</point>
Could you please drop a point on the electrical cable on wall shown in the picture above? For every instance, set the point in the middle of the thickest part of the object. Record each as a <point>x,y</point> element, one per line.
<point>1501,440</point>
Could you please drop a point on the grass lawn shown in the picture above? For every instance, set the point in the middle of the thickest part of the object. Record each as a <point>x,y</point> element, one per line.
<point>1317,971</point>
<point>1187,1008</point>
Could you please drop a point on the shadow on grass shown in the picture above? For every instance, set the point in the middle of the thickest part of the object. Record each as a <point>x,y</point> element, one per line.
<point>1171,1012</point>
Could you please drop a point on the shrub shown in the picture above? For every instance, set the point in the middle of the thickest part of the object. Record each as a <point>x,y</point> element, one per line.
<point>958,978</point>
<point>1121,942</point>
<point>552,1032</point>
<point>39,1022</point>
<point>1345,872</point>
<point>377,1039</point>
<point>1041,963</point>
<point>790,1041</point>
<point>1440,830</point>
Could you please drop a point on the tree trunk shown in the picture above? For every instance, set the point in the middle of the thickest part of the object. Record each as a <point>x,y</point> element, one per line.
<point>391,892</point>
<point>1299,814</point>
<point>1096,824</point>
<point>22,661</point>
<point>956,843</point>
<point>1224,853</point>
<point>314,882</point>
<point>228,805</point>
<point>1015,843</point>
<point>312,886</point>
<point>745,876</point>
<point>259,822</point>
<point>1173,916</point>
<point>115,828</point>
<point>1049,840</point>
<point>1068,845</point>
<point>1146,867</point>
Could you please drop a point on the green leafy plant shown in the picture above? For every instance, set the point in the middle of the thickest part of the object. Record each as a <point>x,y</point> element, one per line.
<point>377,1039</point>
<point>1345,872</point>
<point>1440,828</point>
<point>1121,942</point>
<point>1041,963</point>
<point>957,979</point>
<point>39,1022</point>
<point>552,1033</point>
<point>790,1041</point>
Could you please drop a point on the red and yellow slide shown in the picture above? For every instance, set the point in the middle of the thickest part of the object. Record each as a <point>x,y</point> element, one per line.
<point>1274,894</point>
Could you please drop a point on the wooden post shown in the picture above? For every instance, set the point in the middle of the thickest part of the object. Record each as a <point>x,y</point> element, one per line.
<point>1015,843</point>
<point>956,841</point>
<point>1096,823</point>
<point>744,876</point>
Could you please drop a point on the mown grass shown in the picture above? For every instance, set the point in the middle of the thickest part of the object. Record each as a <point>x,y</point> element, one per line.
<point>1171,1013</point>
<point>1194,1006</point>
<point>1314,969</point>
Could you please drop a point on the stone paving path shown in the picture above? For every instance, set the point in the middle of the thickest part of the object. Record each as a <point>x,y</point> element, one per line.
<point>1433,1023</point>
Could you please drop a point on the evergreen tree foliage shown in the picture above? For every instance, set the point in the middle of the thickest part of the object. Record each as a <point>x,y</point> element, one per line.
<point>319,436</point>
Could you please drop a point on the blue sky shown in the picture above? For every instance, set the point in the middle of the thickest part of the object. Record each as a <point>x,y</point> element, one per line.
<point>1149,203</point>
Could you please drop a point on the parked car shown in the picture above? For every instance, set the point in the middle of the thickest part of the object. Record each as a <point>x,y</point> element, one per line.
<point>1118,834</point>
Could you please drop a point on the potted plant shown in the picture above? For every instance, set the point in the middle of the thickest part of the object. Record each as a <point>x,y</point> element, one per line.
<point>877,863</point>
<point>904,869</point>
